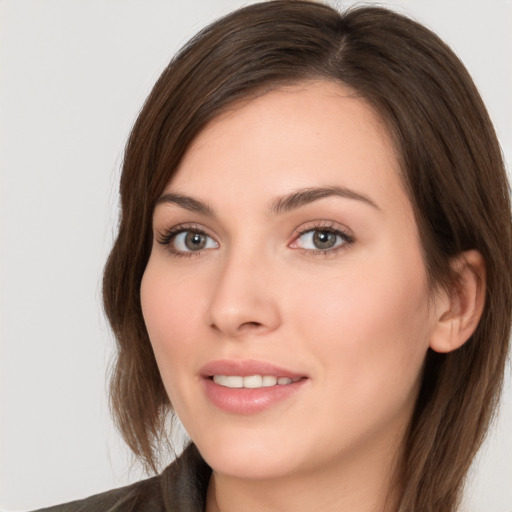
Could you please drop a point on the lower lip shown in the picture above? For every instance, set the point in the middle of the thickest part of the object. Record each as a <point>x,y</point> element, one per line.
<point>250,400</point>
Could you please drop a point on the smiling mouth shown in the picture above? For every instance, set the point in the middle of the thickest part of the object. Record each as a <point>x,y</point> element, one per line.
<point>249,386</point>
<point>252,381</point>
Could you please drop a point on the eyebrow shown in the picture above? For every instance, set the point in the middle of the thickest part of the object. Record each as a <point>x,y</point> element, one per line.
<point>282,204</point>
<point>305,196</point>
<point>186,202</point>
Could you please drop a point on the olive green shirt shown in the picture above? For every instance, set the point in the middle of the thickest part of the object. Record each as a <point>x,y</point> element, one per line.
<point>180,488</point>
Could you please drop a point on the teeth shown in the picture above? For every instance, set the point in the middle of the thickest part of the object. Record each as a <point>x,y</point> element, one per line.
<point>230,381</point>
<point>269,380</point>
<point>252,381</point>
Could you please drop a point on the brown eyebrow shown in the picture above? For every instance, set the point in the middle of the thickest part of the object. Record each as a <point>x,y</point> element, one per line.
<point>286,203</point>
<point>189,203</point>
<point>308,195</point>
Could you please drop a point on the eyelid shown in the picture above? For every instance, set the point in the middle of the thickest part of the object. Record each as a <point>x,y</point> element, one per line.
<point>330,226</point>
<point>165,237</point>
<point>327,225</point>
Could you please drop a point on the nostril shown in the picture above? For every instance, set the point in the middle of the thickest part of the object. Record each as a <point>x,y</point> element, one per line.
<point>250,325</point>
<point>242,327</point>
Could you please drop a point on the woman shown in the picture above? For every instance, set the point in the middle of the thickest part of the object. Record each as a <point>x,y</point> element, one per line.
<point>312,267</point>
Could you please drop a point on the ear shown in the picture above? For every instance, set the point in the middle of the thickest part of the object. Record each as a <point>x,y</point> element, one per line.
<point>459,309</point>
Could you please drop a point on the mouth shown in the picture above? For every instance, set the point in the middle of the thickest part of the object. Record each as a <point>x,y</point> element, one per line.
<point>248,387</point>
<point>252,381</point>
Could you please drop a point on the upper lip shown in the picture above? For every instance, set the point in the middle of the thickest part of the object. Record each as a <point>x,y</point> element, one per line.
<point>245,368</point>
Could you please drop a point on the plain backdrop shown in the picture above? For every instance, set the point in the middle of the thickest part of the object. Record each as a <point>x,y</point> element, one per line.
<point>73,75</point>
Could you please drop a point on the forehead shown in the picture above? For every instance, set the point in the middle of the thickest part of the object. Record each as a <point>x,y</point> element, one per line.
<point>308,134</point>
<point>302,104</point>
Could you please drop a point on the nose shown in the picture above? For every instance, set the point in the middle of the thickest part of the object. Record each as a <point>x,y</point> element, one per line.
<point>244,301</point>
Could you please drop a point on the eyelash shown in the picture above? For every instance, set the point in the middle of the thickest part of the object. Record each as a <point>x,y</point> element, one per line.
<point>168,235</point>
<point>331,228</point>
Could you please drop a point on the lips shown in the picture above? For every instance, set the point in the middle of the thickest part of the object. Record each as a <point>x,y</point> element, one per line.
<point>248,387</point>
<point>246,368</point>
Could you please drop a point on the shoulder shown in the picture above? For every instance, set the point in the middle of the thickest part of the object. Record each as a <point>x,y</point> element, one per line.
<point>143,496</point>
<point>180,488</point>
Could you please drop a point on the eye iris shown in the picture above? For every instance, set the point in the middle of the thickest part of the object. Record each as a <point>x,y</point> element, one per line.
<point>195,241</point>
<point>324,239</point>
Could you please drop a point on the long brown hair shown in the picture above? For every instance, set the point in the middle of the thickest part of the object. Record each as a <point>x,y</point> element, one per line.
<point>452,169</point>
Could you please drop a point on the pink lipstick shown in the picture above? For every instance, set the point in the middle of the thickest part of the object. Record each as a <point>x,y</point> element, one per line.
<point>249,386</point>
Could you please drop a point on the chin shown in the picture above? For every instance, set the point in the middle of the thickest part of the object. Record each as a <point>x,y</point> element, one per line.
<point>242,455</point>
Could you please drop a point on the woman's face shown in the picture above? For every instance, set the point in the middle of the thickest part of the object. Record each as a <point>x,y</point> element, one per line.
<point>286,259</point>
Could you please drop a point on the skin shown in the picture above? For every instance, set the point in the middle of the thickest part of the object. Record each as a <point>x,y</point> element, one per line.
<point>356,320</point>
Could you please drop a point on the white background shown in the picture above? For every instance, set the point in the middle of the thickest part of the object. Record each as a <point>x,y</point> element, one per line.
<point>73,75</point>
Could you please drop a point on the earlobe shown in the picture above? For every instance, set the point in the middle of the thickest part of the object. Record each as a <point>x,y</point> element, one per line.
<point>459,310</point>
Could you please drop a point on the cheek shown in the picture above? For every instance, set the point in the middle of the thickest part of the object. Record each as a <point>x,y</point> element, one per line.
<point>369,327</point>
<point>171,300</point>
<point>171,310</point>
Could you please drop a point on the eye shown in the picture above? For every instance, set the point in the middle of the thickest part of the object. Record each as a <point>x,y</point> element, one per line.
<point>321,239</point>
<point>192,241</point>
<point>183,241</point>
